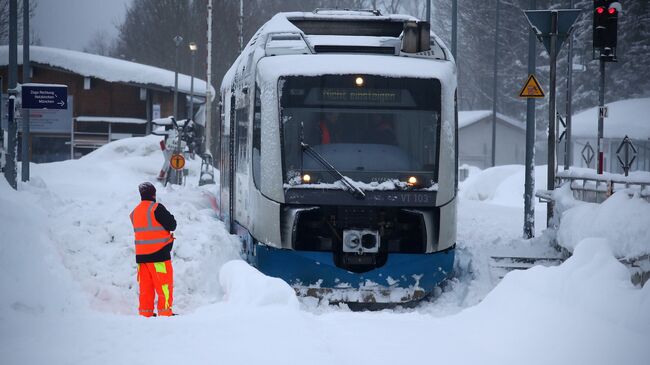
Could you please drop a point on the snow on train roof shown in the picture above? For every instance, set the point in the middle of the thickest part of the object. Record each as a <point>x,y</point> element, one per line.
<point>289,65</point>
<point>342,64</point>
<point>344,14</point>
<point>105,68</point>
<point>626,117</point>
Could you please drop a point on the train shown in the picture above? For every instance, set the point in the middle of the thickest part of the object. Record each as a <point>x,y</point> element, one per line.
<point>339,155</point>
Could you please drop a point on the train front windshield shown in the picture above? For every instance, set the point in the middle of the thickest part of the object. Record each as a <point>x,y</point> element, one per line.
<point>370,128</point>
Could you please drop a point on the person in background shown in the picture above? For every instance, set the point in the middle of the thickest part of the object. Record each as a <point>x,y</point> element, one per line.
<point>152,225</point>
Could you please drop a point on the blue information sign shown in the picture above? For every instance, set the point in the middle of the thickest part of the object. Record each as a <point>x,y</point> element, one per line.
<point>44,96</point>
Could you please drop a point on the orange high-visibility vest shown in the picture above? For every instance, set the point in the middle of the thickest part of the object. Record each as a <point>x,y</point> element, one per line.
<point>150,236</point>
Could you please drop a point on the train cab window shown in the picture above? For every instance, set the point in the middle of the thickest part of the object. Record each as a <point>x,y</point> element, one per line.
<point>257,138</point>
<point>373,130</point>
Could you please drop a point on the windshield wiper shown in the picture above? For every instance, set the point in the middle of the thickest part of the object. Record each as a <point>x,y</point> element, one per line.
<point>355,191</point>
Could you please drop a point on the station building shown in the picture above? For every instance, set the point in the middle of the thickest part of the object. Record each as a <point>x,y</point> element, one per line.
<point>629,118</point>
<point>475,139</point>
<point>108,99</point>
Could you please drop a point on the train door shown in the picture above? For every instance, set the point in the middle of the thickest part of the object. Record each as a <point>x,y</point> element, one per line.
<point>226,161</point>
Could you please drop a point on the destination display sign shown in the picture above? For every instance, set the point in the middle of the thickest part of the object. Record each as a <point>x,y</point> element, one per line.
<point>361,95</point>
<point>44,96</point>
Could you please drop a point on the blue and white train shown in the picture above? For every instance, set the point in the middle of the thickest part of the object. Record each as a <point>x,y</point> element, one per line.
<point>339,158</point>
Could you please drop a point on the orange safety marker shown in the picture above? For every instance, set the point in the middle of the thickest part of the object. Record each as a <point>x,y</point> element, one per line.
<point>177,161</point>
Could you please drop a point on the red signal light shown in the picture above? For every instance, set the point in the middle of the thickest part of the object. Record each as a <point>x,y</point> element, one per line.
<point>611,11</point>
<point>600,10</point>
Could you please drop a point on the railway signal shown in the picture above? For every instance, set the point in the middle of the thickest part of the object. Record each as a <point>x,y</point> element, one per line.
<point>605,29</point>
<point>605,37</point>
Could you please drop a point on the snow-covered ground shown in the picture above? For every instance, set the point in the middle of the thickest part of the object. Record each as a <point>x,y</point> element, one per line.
<point>67,278</point>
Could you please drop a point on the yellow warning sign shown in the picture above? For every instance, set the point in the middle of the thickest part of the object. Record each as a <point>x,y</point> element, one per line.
<point>531,89</point>
<point>177,161</point>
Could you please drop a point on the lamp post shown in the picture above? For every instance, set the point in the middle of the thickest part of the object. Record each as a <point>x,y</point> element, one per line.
<point>193,48</point>
<point>178,40</point>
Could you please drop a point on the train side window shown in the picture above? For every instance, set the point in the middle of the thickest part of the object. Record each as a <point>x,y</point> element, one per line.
<point>257,138</point>
<point>241,117</point>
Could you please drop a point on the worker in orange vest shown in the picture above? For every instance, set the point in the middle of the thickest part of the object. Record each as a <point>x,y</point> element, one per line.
<point>152,224</point>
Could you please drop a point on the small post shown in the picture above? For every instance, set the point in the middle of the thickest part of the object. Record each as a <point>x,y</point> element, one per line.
<point>550,182</point>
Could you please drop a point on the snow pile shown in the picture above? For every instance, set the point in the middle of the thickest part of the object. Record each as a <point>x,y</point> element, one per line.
<point>32,278</point>
<point>502,185</point>
<point>623,220</point>
<point>245,286</point>
<point>88,202</point>
<point>584,311</point>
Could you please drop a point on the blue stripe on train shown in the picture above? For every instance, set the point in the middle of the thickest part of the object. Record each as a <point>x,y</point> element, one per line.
<point>310,267</point>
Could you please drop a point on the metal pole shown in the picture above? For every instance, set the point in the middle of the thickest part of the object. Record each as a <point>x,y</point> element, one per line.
<point>568,148</point>
<point>494,86</point>
<point>10,166</point>
<point>454,28</point>
<point>428,11</point>
<point>26,68</point>
<point>192,86</point>
<point>208,91</point>
<point>241,25</point>
<point>177,40</point>
<point>601,117</point>
<point>529,178</point>
<point>550,182</point>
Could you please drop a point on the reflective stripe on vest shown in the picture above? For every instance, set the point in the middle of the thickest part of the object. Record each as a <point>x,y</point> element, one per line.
<point>150,235</point>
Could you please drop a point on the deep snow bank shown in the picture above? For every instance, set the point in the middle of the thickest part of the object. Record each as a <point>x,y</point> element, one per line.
<point>86,205</point>
<point>623,220</point>
<point>243,285</point>
<point>32,277</point>
<point>502,185</point>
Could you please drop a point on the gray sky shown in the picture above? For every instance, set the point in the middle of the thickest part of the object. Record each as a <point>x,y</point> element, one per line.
<point>70,24</point>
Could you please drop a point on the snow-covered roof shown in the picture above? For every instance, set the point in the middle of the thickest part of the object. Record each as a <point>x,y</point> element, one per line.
<point>117,120</point>
<point>469,117</point>
<point>105,68</point>
<point>625,117</point>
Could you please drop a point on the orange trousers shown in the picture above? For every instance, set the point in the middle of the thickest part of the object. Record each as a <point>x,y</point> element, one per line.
<point>156,278</point>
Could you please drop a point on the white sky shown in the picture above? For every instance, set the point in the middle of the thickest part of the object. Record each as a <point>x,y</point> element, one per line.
<point>70,24</point>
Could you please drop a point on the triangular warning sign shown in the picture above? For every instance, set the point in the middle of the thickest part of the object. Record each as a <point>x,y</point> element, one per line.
<point>531,89</point>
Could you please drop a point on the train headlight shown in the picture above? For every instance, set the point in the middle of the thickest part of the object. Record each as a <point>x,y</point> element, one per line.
<point>412,181</point>
<point>359,81</point>
<point>306,178</point>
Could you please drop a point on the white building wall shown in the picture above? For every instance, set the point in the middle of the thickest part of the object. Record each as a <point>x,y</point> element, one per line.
<point>475,144</point>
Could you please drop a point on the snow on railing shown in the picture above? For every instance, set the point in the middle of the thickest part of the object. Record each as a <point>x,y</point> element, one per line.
<point>591,187</point>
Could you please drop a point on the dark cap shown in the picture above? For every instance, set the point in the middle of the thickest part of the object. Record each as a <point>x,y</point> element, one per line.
<point>147,191</point>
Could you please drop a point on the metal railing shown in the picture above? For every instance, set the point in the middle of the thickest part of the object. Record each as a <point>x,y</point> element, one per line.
<point>596,189</point>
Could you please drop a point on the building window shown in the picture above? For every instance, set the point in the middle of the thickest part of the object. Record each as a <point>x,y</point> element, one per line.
<point>86,83</point>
